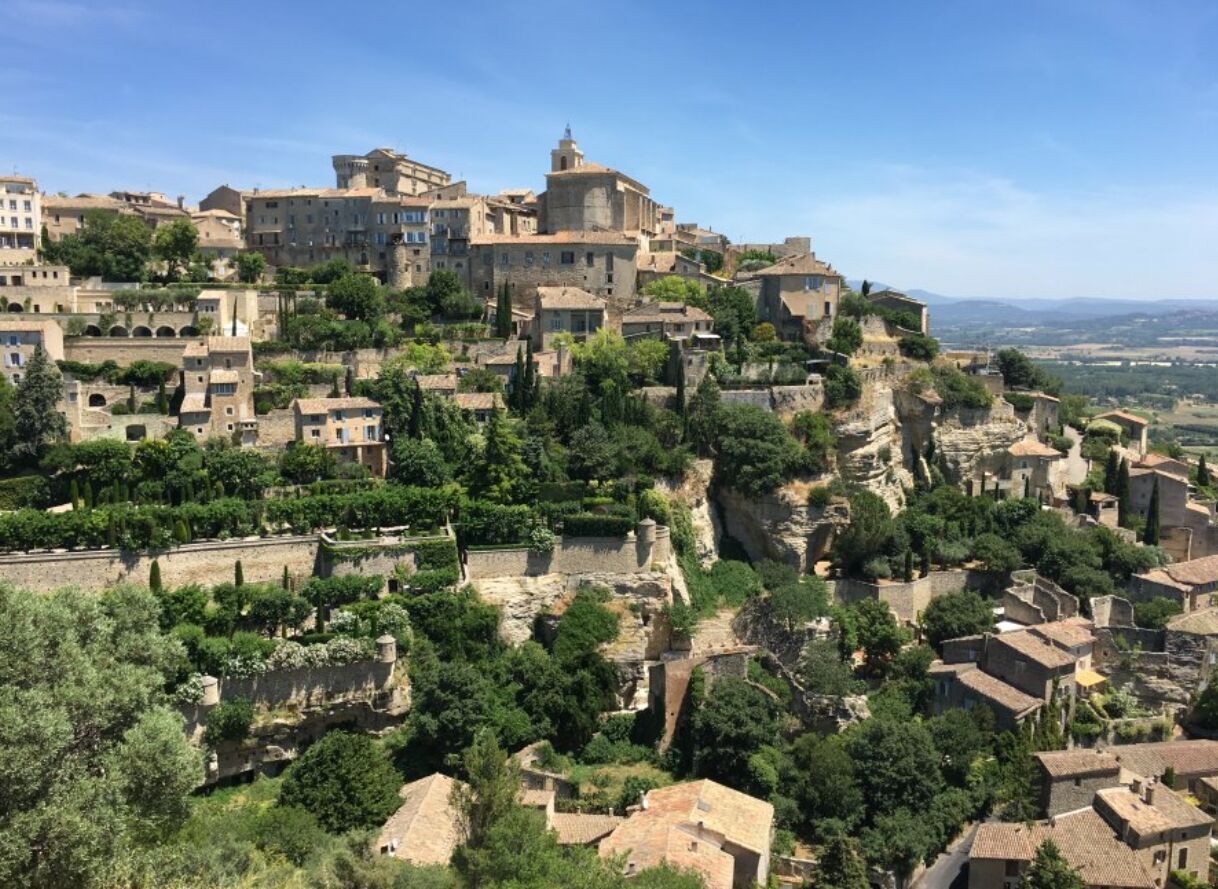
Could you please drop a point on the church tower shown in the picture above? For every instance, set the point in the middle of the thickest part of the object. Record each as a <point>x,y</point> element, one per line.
<point>567,155</point>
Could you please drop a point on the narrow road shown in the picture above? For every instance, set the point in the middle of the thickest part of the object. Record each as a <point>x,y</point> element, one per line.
<point>948,871</point>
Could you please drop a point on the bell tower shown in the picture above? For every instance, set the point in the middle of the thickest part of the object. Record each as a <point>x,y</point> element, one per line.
<point>567,155</point>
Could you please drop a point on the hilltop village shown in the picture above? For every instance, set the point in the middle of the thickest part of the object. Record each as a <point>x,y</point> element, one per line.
<point>385,534</point>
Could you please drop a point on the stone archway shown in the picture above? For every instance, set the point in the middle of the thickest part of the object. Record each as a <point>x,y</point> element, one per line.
<point>142,332</point>
<point>92,330</point>
<point>119,330</point>
<point>166,332</point>
<point>97,400</point>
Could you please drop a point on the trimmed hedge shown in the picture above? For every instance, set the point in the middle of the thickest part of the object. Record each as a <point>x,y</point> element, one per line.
<point>483,522</point>
<point>591,525</point>
<point>151,526</point>
<point>25,491</point>
<point>431,555</point>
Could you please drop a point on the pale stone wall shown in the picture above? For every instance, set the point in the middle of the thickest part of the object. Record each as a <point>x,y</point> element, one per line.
<point>262,559</point>
<point>908,600</point>
<point>311,686</point>
<point>277,428</point>
<point>1064,795</point>
<point>123,350</point>
<point>571,555</point>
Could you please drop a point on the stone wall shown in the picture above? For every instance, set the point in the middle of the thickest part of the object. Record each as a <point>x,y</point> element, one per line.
<point>1071,794</point>
<point>571,555</point>
<point>311,686</point>
<point>262,559</point>
<point>277,428</point>
<point>907,600</point>
<point>122,350</point>
<point>1112,611</point>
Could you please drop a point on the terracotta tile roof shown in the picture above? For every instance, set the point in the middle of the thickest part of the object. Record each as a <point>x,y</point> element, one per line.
<point>194,403</point>
<point>1078,763</point>
<point>656,313</point>
<point>1101,497</point>
<point>583,830</point>
<point>1124,416</point>
<point>436,381</point>
<point>1085,839</point>
<point>1034,649</point>
<point>1164,463</point>
<point>223,375</point>
<point>213,214</point>
<point>52,202</point>
<point>538,799</point>
<point>568,298</point>
<point>1030,447</point>
<point>1203,622</point>
<point>799,264</point>
<point>894,294</point>
<point>687,825</point>
<point>1194,572</point>
<point>479,401</point>
<point>425,830</point>
<point>1186,758</point>
<point>195,349</point>
<point>1007,697</point>
<point>1070,633</point>
<point>1169,811</point>
<point>1159,576</point>
<point>323,405</point>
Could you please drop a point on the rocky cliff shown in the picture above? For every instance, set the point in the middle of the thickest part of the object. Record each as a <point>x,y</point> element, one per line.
<point>782,525</point>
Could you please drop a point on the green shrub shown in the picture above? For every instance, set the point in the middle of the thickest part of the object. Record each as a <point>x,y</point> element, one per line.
<point>433,554</point>
<point>594,525</point>
<point>229,721</point>
<point>25,492</point>
<point>345,780</point>
<point>734,582</point>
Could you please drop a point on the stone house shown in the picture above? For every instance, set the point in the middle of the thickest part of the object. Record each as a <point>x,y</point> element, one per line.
<point>658,264</point>
<point>480,405</point>
<point>20,338</point>
<point>964,686</point>
<point>218,381</point>
<point>1189,529</point>
<point>795,290</point>
<point>900,302</point>
<point>439,384</point>
<point>1030,663</point>
<point>348,427</point>
<point>1189,761</point>
<point>1133,427</point>
<point>1189,583</point>
<point>1069,779</point>
<point>661,320</point>
<point>720,833</point>
<point>1166,832</point>
<point>389,170</point>
<point>566,310</point>
<point>1030,469</point>
<point>63,215</point>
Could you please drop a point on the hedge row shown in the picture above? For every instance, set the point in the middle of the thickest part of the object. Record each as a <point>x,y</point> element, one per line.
<point>154,527</point>
<point>592,525</point>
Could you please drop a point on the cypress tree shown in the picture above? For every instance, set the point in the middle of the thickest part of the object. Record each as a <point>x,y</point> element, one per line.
<point>1151,535</point>
<point>1122,492</point>
<point>1027,486</point>
<point>680,385</point>
<point>162,400</point>
<point>88,494</point>
<point>349,380</point>
<point>180,532</point>
<point>1080,500</point>
<point>74,494</point>
<point>908,575</point>
<point>154,577</point>
<point>530,375</point>
<point>1203,473</point>
<point>415,429</point>
<point>238,574</point>
<point>1111,468</point>
<point>520,383</point>
<point>287,582</point>
<point>925,568</point>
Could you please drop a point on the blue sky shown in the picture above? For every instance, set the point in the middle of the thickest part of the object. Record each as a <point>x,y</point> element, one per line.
<point>1047,148</point>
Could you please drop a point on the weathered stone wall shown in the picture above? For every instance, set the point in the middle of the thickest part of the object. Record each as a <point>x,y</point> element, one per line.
<point>122,350</point>
<point>571,555</point>
<point>312,686</point>
<point>262,559</point>
<point>907,600</point>
<point>1067,796</point>
<point>277,428</point>
<point>1112,611</point>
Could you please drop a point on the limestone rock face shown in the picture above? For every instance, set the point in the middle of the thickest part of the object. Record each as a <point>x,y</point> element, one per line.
<point>782,525</point>
<point>693,491</point>
<point>871,450</point>
<point>968,442</point>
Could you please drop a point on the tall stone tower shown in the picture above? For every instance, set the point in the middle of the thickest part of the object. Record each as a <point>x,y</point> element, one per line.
<point>350,171</point>
<point>567,155</point>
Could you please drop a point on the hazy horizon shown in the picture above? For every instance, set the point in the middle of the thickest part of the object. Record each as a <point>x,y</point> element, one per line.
<point>1046,150</point>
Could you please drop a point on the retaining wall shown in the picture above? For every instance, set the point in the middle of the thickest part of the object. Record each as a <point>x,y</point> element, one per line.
<point>571,555</point>
<point>262,559</point>
<point>907,600</point>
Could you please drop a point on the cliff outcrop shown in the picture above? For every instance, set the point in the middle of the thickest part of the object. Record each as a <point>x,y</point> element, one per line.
<point>783,525</point>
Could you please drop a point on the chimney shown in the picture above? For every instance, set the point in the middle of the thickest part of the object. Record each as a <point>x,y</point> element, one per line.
<point>1150,794</point>
<point>1136,786</point>
<point>181,202</point>
<point>643,800</point>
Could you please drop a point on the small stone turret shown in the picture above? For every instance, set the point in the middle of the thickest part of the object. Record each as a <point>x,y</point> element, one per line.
<point>397,273</point>
<point>211,691</point>
<point>387,649</point>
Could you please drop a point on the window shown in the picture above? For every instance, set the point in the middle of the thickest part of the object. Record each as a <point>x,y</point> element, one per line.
<point>27,207</point>
<point>589,259</point>
<point>528,258</point>
<point>567,257</point>
<point>545,258</point>
<point>828,309</point>
<point>315,433</point>
<point>228,411</point>
<point>370,433</point>
<point>1011,869</point>
<point>503,259</point>
<point>1182,859</point>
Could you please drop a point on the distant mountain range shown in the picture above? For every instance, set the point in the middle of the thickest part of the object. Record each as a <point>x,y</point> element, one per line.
<point>974,309</point>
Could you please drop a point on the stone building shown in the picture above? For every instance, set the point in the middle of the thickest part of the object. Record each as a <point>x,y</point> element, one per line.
<point>796,290</point>
<point>389,170</point>
<point>1166,832</point>
<point>218,380</point>
<point>64,215</point>
<point>1031,470</point>
<point>721,834</point>
<point>426,828</point>
<point>20,219</point>
<point>220,237</point>
<point>568,310</point>
<point>664,321</point>
<point>348,427</point>
<point>20,338</point>
<point>656,264</point>
<point>1188,526</point>
<point>900,302</point>
<point>226,198</point>
<point>602,263</point>
<point>41,289</point>
<point>1069,779</point>
<point>1132,426</point>
<point>582,196</point>
<point>1189,583</point>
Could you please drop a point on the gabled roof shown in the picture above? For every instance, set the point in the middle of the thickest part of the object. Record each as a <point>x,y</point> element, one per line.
<point>1068,633</point>
<point>1194,572</point>
<point>568,298</point>
<point>425,830</point>
<point>657,312</point>
<point>1078,763</point>
<point>799,264</point>
<point>576,829</point>
<point>1034,649</point>
<point>995,691</point>
<point>1030,447</point>
<point>312,406</point>
<point>1169,811</point>
<point>429,382</point>
<point>1085,839</point>
<point>1185,758</point>
<point>479,401</point>
<point>1123,416</point>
